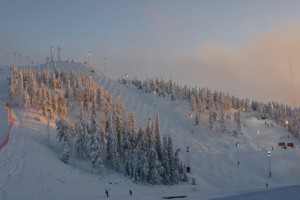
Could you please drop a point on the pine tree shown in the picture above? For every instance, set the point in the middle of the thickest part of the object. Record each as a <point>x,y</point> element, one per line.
<point>143,167</point>
<point>27,103</point>
<point>61,107</point>
<point>113,156</point>
<point>62,130</point>
<point>165,162</point>
<point>81,140</point>
<point>95,144</point>
<point>21,87</point>
<point>119,129</point>
<point>239,127</point>
<point>222,120</point>
<point>171,160</point>
<point>149,134</point>
<point>211,120</point>
<point>157,138</point>
<point>34,93</point>
<point>153,173</point>
<point>12,86</point>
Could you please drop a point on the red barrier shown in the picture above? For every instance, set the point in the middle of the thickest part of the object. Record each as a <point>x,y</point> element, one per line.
<point>11,121</point>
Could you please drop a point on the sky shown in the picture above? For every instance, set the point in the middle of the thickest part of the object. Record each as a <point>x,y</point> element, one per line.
<point>246,48</point>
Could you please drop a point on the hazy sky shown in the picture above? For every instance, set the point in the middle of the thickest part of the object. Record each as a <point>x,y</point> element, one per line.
<point>236,46</point>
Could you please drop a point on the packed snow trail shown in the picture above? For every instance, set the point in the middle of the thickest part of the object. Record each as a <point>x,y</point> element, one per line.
<point>12,159</point>
<point>290,192</point>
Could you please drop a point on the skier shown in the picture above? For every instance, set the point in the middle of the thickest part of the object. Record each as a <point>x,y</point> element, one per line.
<point>130,192</point>
<point>267,185</point>
<point>106,192</point>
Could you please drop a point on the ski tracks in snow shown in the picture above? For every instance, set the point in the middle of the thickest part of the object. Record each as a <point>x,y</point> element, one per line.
<point>12,160</point>
<point>42,190</point>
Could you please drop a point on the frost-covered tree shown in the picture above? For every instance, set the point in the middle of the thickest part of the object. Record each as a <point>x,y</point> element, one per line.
<point>95,145</point>
<point>211,119</point>
<point>153,173</point>
<point>113,157</point>
<point>27,103</point>
<point>149,132</point>
<point>157,138</point>
<point>20,87</point>
<point>61,107</point>
<point>82,138</point>
<point>62,131</point>
<point>222,120</point>
<point>238,121</point>
<point>165,162</point>
<point>12,85</point>
<point>118,121</point>
<point>171,160</point>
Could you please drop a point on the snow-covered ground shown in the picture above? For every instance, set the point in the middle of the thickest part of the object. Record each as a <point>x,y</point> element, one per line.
<point>30,169</point>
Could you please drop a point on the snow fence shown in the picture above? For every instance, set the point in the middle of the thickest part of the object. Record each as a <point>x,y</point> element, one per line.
<point>11,120</point>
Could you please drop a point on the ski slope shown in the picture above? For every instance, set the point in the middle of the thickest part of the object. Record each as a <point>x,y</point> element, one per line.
<point>30,169</point>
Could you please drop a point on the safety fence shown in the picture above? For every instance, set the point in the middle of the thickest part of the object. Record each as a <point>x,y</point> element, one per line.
<point>11,120</point>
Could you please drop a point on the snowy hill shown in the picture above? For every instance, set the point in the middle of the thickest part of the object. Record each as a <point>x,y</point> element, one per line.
<point>32,170</point>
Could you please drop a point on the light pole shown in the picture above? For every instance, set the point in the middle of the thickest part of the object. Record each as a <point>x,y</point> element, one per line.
<point>89,57</point>
<point>238,154</point>
<point>188,168</point>
<point>287,124</point>
<point>69,60</point>
<point>126,78</point>
<point>6,59</point>
<point>105,61</point>
<point>51,54</point>
<point>269,156</point>
<point>257,138</point>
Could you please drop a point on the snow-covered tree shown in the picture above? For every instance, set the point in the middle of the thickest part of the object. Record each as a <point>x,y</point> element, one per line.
<point>222,120</point>
<point>157,138</point>
<point>95,144</point>
<point>82,138</point>
<point>171,160</point>
<point>165,162</point>
<point>113,157</point>
<point>211,119</point>
<point>62,130</point>
<point>153,173</point>
<point>61,107</point>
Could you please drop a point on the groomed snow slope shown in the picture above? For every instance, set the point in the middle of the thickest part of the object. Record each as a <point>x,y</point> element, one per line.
<point>29,169</point>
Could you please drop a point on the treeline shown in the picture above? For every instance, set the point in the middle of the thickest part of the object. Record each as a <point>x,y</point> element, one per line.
<point>110,139</point>
<point>219,107</point>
